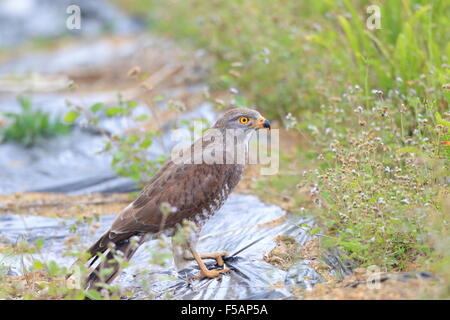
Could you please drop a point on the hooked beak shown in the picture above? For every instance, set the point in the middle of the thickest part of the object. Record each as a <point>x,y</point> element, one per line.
<point>261,123</point>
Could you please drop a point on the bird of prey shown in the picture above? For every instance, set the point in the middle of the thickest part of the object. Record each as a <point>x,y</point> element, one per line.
<point>194,191</point>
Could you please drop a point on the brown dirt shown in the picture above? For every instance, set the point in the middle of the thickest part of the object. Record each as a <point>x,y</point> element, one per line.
<point>285,253</point>
<point>311,250</point>
<point>357,287</point>
<point>34,284</point>
<point>158,66</point>
<point>62,205</point>
<point>272,223</point>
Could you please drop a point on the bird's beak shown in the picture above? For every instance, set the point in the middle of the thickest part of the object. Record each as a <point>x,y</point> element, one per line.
<point>261,123</point>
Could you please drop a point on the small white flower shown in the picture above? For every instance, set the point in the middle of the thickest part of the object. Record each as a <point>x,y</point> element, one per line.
<point>290,121</point>
<point>359,109</point>
<point>344,216</point>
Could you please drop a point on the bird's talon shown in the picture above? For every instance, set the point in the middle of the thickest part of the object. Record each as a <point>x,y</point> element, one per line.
<point>218,256</point>
<point>212,273</point>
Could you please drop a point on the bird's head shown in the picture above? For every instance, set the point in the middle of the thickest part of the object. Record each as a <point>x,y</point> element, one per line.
<point>231,135</point>
<point>245,119</point>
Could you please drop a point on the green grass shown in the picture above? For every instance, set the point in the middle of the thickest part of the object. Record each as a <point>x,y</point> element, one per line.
<point>29,126</point>
<point>288,56</point>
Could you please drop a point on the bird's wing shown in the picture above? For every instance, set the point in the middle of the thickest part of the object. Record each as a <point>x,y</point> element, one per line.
<point>187,188</point>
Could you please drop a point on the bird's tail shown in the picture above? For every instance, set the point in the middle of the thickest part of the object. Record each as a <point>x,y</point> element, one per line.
<point>107,257</point>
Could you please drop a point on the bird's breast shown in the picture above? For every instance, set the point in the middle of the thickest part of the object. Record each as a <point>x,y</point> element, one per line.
<point>218,196</point>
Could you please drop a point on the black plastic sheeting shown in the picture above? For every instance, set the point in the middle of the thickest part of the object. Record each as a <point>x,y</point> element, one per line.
<point>237,228</point>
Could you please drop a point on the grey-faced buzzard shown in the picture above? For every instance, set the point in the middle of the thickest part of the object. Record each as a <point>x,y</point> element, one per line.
<point>193,190</point>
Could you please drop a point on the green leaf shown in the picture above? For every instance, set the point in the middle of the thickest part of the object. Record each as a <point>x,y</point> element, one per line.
<point>132,104</point>
<point>143,75</point>
<point>132,139</point>
<point>120,155</point>
<point>112,111</point>
<point>146,143</point>
<point>93,295</point>
<point>158,98</point>
<point>71,116</point>
<point>410,150</point>
<point>38,265</point>
<point>441,121</point>
<point>108,146</point>
<point>39,243</point>
<point>142,117</point>
<point>107,271</point>
<point>53,268</point>
<point>25,103</point>
<point>97,107</point>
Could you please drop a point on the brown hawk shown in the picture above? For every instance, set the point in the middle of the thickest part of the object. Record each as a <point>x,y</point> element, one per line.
<point>195,190</point>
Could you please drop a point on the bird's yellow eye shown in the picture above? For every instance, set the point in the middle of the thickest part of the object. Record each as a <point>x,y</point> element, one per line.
<point>244,120</point>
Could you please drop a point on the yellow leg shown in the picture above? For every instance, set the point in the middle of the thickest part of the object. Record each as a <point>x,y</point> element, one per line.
<point>218,256</point>
<point>204,272</point>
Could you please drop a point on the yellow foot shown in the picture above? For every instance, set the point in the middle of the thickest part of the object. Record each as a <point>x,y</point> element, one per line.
<point>218,256</point>
<point>204,271</point>
<point>211,273</point>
